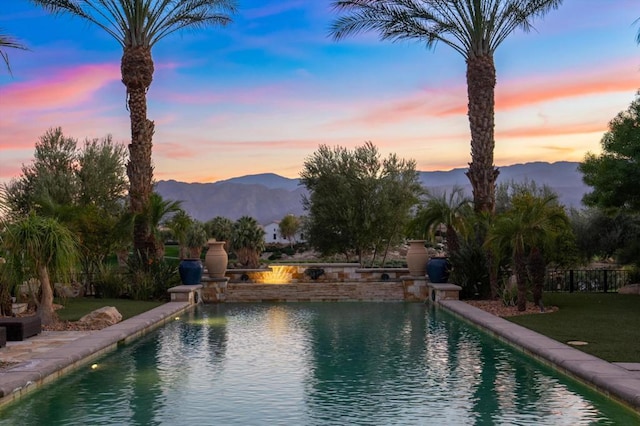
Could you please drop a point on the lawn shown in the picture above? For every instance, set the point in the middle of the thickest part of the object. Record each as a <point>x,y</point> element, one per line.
<point>75,308</point>
<point>608,322</point>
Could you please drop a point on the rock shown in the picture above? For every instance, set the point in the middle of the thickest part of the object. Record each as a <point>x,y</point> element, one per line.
<point>69,289</point>
<point>630,289</point>
<point>102,317</point>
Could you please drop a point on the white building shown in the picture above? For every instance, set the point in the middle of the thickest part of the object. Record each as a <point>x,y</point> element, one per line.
<point>272,235</point>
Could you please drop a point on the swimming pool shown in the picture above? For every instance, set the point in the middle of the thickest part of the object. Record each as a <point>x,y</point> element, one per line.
<point>316,364</point>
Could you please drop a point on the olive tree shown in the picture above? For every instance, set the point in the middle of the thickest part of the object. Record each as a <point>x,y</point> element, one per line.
<point>289,227</point>
<point>83,188</point>
<point>358,203</point>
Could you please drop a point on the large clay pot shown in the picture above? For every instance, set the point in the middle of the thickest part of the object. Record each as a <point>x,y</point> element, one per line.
<point>216,259</point>
<point>190,271</point>
<point>438,269</point>
<point>417,258</point>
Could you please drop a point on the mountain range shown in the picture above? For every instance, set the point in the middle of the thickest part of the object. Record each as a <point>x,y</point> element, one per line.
<point>269,197</point>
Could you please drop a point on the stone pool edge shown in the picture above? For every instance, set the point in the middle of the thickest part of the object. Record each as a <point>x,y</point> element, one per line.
<point>23,378</point>
<point>611,380</point>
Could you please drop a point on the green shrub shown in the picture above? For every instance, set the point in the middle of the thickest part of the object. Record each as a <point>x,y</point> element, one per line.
<point>508,293</point>
<point>109,282</point>
<point>469,270</point>
<point>151,281</point>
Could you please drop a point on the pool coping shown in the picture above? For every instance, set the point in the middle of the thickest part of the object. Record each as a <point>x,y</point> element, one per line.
<point>614,381</point>
<point>25,377</point>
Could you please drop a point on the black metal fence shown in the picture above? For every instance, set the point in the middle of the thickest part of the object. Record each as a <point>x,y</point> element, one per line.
<point>593,280</point>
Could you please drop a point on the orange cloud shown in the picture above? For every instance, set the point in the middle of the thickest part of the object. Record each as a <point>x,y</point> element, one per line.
<point>510,95</point>
<point>563,129</point>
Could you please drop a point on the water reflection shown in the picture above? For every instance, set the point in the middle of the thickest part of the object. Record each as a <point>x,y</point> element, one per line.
<point>315,364</point>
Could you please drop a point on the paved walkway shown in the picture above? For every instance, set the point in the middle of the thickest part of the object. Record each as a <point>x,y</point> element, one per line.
<point>16,352</point>
<point>51,354</point>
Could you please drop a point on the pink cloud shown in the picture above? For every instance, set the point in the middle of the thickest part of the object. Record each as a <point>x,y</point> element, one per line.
<point>65,88</point>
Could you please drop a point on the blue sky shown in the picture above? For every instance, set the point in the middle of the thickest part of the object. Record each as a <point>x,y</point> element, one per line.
<point>263,93</point>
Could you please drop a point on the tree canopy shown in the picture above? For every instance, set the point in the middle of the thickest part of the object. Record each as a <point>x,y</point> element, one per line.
<point>615,173</point>
<point>358,203</point>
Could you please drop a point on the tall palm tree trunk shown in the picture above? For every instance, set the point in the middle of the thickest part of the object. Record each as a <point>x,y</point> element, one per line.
<point>137,74</point>
<point>481,83</point>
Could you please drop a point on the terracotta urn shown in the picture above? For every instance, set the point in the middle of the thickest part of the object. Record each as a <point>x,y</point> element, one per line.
<point>417,258</point>
<point>216,259</point>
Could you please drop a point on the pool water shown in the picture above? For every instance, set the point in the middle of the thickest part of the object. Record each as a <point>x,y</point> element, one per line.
<point>316,364</point>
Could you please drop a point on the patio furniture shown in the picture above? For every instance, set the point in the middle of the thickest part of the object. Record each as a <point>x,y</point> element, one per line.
<point>19,328</point>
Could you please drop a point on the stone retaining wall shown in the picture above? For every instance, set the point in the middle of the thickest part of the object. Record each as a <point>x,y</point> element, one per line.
<point>315,282</point>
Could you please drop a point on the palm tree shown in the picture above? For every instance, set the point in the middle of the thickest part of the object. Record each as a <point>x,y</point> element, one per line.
<point>46,247</point>
<point>179,224</point>
<point>247,241</point>
<point>475,29</point>
<point>138,25</point>
<point>453,211</point>
<point>154,213</point>
<point>526,229</point>
<point>6,41</point>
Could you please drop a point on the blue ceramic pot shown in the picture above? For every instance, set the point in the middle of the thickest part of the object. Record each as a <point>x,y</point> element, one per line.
<point>190,271</point>
<point>438,269</point>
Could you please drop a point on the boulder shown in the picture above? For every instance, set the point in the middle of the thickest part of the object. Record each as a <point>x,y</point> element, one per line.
<point>630,289</point>
<point>69,289</point>
<point>102,317</point>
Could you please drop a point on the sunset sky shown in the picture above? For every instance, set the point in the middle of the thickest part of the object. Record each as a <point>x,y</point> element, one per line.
<point>263,93</point>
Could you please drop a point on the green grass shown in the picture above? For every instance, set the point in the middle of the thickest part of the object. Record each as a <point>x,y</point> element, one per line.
<point>172,251</point>
<point>75,308</point>
<point>608,322</point>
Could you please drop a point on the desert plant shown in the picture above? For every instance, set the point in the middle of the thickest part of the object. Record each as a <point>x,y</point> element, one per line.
<point>110,282</point>
<point>195,239</point>
<point>152,281</point>
<point>247,241</point>
<point>46,248</point>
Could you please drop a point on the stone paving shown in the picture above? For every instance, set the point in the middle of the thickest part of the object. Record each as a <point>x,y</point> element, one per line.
<point>16,352</point>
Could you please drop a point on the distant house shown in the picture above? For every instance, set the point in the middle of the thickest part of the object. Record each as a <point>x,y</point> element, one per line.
<point>272,235</point>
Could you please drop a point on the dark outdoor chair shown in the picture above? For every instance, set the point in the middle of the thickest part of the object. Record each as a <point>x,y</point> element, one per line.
<point>19,328</point>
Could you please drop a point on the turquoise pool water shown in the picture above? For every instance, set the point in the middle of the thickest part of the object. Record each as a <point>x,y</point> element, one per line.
<point>315,364</point>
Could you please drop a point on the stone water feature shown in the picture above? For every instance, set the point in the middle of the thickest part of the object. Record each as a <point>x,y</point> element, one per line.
<point>315,282</point>
<point>323,282</point>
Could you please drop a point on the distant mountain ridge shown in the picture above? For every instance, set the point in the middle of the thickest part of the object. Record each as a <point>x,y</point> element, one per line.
<point>269,197</point>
